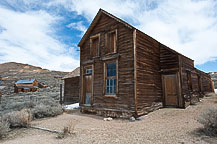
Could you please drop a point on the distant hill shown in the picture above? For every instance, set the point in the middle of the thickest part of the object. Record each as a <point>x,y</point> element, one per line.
<point>18,67</point>
<point>214,78</point>
<point>11,72</point>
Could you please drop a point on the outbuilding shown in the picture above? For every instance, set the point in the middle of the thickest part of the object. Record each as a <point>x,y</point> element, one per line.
<point>72,87</point>
<point>30,85</point>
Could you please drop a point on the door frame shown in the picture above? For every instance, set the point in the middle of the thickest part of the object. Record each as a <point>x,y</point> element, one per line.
<point>83,95</point>
<point>178,88</point>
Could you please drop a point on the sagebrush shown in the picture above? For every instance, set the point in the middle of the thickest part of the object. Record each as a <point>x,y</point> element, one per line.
<point>4,128</point>
<point>46,109</point>
<point>18,118</point>
<point>67,130</point>
<point>209,121</point>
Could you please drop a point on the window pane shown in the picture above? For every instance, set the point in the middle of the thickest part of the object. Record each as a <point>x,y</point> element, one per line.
<point>111,90</point>
<point>107,90</point>
<point>107,82</point>
<point>89,71</point>
<point>111,69</point>
<point>114,85</point>
<point>108,70</point>
<point>111,82</point>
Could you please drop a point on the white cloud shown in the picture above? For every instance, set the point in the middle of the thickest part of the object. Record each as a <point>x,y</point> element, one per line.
<point>187,26</point>
<point>78,26</point>
<point>26,37</point>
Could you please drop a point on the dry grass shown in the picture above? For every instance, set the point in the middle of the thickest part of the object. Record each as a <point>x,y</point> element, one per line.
<point>209,120</point>
<point>4,128</point>
<point>18,118</point>
<point>42,110</point>
<point>67,130</point>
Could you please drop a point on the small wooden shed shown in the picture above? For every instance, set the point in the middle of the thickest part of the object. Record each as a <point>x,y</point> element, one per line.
<point>31,85</point>
<point>125,72</point>
<point>72,87</point>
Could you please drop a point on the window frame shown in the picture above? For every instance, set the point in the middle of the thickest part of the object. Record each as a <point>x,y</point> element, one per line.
<point>107,41</point>
<point>112,77</point>
<point>189,80</point>
<point>96,36</point>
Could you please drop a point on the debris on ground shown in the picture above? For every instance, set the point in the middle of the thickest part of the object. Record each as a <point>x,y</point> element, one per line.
<point>108,119</point>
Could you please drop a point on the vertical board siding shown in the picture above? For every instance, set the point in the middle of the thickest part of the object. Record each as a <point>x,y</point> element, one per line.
<point>206,83</point>
<point>189,96</point>
<point>141,62</point>
<point>125,96</point>
<point>148,84</point>
<point>71,90</point>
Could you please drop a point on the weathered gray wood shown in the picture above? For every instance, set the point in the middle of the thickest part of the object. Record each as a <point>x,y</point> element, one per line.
<point>45,129</point>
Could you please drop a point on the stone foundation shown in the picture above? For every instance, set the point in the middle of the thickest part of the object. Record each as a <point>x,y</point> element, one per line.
<point>107,112</point>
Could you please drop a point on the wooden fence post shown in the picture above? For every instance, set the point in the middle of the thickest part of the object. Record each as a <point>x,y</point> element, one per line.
<point>61,94</point>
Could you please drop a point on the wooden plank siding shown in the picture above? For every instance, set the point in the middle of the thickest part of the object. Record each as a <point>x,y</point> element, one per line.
<point>206,83</point>
<point>168,60</point>
<point>124,56</point>
<point>170,64</point>
<point>148,78</point>
<point>145,68</point>
<point>71,90</point>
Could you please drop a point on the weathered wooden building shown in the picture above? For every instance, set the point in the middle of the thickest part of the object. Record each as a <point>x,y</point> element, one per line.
<point>125,72</point>
<point>71,87</point>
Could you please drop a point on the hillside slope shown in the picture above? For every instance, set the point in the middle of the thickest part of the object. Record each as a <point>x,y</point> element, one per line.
<point>12,72</point>
<point>214,78</point>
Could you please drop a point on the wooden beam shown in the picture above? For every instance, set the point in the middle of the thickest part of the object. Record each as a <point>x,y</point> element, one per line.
<point>135,75</point>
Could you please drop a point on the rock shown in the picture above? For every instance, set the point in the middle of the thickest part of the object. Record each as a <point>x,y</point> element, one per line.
<point>132,119</point>
<point>140,118</point>
<point>108,119</point>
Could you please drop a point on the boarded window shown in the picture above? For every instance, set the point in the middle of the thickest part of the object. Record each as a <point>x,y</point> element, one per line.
<point>111,79</point>
<point>94,46</point>
<point>189,81</point>
<point>199,83</point>
<point>111,38</point>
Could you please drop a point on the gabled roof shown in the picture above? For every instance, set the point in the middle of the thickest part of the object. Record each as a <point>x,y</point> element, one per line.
<point>95,20</point>
<point>25,81</point>
<point>74,73</point>
<point>97,17</point>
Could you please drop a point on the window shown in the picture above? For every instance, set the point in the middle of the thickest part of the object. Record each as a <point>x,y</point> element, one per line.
<point>111,38</point>
<point>88,71</point>
<point>94,45</point>
<point>110,79</point>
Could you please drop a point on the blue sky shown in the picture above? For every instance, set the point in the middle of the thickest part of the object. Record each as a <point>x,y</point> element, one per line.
<point>45,33</point>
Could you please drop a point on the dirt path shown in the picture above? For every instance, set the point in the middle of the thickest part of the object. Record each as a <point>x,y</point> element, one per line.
<point>167,126</point>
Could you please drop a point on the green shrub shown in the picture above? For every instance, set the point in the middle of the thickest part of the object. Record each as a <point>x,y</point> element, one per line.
<point>21,105</point>
<point>4,128</point>
<point>209,121</point>
<point>43,110</point>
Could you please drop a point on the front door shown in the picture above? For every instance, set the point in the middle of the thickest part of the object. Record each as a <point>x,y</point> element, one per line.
<point>170,90</point>
<point>88,85</point>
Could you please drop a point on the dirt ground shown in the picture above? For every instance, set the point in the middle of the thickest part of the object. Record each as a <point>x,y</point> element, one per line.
<point>167,125</point>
